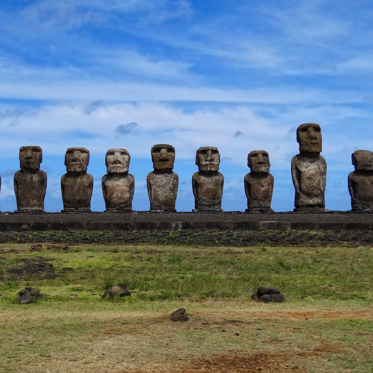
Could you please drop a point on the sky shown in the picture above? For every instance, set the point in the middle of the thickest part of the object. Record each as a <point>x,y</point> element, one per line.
<point>239,75</point>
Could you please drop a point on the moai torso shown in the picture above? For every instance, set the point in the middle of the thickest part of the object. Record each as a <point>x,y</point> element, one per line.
<point>118,186</point>
<point>259,182</point>
<point>259,191</point>
<point>309,177</point>
<point>76,184</point>
<point>77,191</point>
<point>308,170</point>
<point>30,183</point>
<point>208,182</point>
<point>30,189</point>
<point>162,183</point>
<point>208,190</point>
<point>162,190</point>
<point>360,181</point>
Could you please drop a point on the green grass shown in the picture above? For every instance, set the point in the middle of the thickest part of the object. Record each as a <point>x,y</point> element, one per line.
<point>330,330</point>
<point>175,272</point>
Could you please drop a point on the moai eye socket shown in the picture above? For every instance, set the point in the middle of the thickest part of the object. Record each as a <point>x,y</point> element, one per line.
<point>304,129</point>
<point>156,150</point>
<point>254,155</point>
<point>83,151</point>
<point>170,150</point>
<point>316,129</point>
<point>123,153</point>
<point>70,152</point>
<point>110,154</point>
<point>265,155</point>
<point>214,152</point>
<point>202,152</point>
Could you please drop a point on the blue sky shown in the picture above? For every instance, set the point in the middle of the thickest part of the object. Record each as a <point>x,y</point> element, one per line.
<point>239,75</point>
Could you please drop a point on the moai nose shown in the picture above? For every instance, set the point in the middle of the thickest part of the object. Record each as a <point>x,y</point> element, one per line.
<point>28,153</point>
<point>209,155</point>
<point>164,154</point>
<point>311,132</point>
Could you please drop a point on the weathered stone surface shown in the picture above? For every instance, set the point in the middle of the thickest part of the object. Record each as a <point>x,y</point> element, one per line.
<point>255,296</point>
<point>208,182</point>
<point>278,298</point>
<point>24,297</point>
<point>162,183</point>
<point>266,298</point>
<point>360,182</point>
<point>259,182</point>
<point>263,290</point>
<point>76,184</point>
<point>30,183</point>
<point>308,170</point>
<point>120,289</point>
<point>118,186</point>
<point>179,315</point>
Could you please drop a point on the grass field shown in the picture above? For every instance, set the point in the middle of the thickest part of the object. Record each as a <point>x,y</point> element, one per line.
<point>325,324</point>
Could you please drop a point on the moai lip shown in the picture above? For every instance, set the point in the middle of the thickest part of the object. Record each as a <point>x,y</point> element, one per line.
<point>308,170</point>
<point>360,181</point>
<point>76,184</point>
<point>259,182</point>
<point>162,183</point>
<point>30,183</point>
<point>118,186</point>
<point>208,182</point>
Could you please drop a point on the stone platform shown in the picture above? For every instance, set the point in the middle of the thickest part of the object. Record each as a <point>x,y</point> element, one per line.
<point>332,220</point>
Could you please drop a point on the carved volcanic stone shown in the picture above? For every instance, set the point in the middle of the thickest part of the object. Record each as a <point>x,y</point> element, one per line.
<point>208,182</point>
<point>360,181</point>
<point>30,183</point>
<point>308,170</point>
<point>76,184</point>
<point>118,186</point>
<point>259,182</point>
<point>162,183</point>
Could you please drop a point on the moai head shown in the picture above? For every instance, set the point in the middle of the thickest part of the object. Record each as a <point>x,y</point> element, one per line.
<point>76,159</point>
<point>258,161</point>
<point>309,138</point>
<point>163,156</point>
<point>208,158</point>
<point>117,161</point>
<point>362,160</point>
<point>30,157</point>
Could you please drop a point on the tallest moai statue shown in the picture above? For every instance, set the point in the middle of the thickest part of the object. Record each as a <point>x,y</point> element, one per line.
<point>308,170</point>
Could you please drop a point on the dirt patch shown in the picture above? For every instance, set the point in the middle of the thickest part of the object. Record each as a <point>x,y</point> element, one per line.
<point>35,266</point>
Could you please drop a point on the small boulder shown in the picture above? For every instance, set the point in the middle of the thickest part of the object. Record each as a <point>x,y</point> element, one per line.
<point>266,298</point>
<point>179,315</point>
<point>262,290</point>
<point>279,298</point>
<point>125,293</point>
<point>255,296</point>
<point>24,297</point>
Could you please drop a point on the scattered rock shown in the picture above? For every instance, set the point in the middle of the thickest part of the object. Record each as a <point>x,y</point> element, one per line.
<point>267,294</point>
<point>179,315</point>
<point>28,295</point>
<point>255,296</point>
<point>265,298</point>
<point>74,295</point>
<point>279,298</point>
<point>120,289</point>
<point>262,290</point>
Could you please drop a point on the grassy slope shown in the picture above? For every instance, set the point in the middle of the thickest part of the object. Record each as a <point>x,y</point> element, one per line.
<point>329,331</point>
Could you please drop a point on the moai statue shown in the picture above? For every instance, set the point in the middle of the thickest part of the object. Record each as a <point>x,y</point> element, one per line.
<point>259,182</point>
<point>76,184</point>
<point>30,183</point>
<point>162,183</point>
<point>308,170</point>
<point>360,181</point>
<point>118,186</point>
<point>208,182</point>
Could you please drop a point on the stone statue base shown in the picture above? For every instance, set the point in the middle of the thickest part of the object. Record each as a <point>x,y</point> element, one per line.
<point>71,210</point>
<point>30,210</point>
<point>362,208</point>
<point>207,210</point>
<point>259,210</point>
<point>309,209</point>
<point>120,211</point>
<point>160,211</point>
